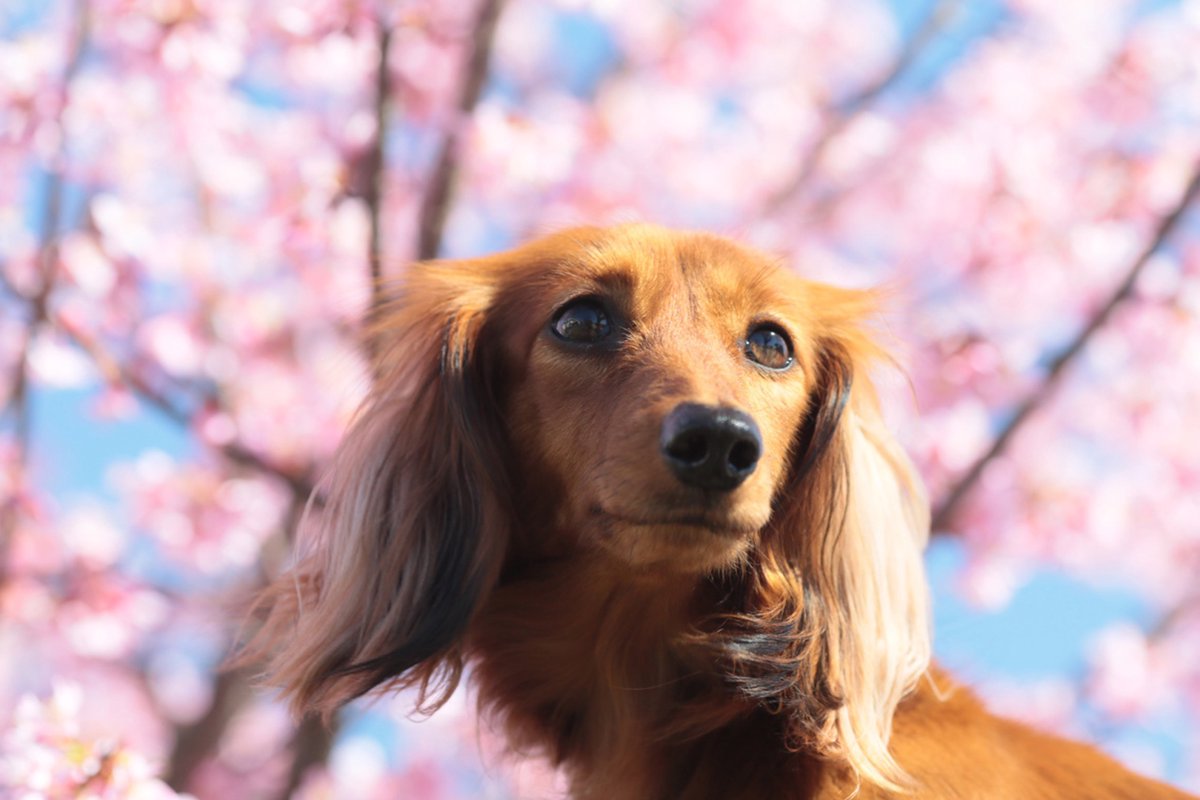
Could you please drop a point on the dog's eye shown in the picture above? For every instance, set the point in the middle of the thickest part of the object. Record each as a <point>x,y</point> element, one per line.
<point>582,321</point>
<point>769,346</point>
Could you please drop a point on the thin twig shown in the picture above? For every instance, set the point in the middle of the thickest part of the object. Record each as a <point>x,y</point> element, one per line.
<point>196,741</point>
<point>48,258</point>
<point>368,171</point>
<point>435,204</point>
<point>18,406</point>
<point>1168,621</point>
<point>843,113</point>
<point>117,372</point>
<point>310,745</point>
<point>375,166</point>
<point>943,515</point>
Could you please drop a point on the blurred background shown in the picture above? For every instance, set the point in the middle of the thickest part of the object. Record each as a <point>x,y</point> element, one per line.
<point>196,194</point>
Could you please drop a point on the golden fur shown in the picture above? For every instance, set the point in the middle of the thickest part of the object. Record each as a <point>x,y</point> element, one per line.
<point>503,500</point>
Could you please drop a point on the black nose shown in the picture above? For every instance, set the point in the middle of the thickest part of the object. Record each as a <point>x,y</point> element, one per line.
<point>710,447</point>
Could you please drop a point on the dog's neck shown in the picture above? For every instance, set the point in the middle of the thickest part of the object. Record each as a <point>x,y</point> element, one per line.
<point>597,670</point>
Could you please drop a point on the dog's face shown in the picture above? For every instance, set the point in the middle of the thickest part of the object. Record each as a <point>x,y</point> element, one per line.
<point>663,380</point>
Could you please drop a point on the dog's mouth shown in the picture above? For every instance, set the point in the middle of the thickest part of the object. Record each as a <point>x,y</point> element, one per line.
<point>716,523</point>
<point>681,540</point>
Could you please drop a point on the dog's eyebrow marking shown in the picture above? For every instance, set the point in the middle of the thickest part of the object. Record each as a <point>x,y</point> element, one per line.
<point>693,299</point>
<point>763,274</point>
<point>616,280</point>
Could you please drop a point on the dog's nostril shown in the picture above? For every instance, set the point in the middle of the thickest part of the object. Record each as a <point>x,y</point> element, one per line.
<point>744,455</point>
<point>690,448</point>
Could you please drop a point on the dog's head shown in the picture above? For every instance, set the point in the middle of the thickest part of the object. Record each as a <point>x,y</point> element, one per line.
<point>672,404</point>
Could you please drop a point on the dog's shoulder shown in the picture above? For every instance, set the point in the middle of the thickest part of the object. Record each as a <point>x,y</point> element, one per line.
<point>950,743</point>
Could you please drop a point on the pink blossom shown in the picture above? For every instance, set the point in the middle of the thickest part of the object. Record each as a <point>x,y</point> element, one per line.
<point>213,521</point>
<point>55,362</point>
<point>1125,679</point>
<point>44,755</point>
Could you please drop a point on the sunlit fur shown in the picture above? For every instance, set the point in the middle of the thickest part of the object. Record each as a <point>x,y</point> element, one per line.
<point>501,501</point>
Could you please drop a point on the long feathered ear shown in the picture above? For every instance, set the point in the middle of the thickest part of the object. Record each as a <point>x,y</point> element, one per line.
<point>858,543</point>
<point>834,629</point>
<point>409,524</point>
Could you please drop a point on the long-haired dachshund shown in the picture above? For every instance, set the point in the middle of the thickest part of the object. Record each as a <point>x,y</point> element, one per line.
<point>638,481</point>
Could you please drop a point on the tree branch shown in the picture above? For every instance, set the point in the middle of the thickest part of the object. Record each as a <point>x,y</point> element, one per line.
<point>367,172</point>
<point>18,406</point>
<point>310,745</point>
<point>48,258</point>
<point>375,167</point>
<point>839,117</point>
<point>116,372</point>
<point>944,510</point>
<point>195,742</point>
<point>435,204</point>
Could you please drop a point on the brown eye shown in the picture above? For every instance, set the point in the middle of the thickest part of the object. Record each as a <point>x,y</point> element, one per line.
<point>768,346</point>
<point>582,321</point>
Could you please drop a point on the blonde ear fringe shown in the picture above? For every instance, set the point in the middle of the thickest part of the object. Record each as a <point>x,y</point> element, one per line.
<point>880,637</point>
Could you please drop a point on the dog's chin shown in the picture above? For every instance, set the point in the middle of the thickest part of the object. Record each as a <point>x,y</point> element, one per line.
<point>673,543</point>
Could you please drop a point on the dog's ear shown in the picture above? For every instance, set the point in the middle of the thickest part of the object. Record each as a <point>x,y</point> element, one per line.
<point>839,580</point>
<point>864,525</point>
<point>409,524</point>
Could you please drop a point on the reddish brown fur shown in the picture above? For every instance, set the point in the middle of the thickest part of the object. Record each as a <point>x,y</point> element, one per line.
<point>501,500</point>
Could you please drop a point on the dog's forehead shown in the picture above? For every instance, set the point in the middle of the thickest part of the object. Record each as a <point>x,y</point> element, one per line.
<point>654,268</point>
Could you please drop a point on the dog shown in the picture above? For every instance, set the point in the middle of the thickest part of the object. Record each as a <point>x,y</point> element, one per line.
<point>638,482</point>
